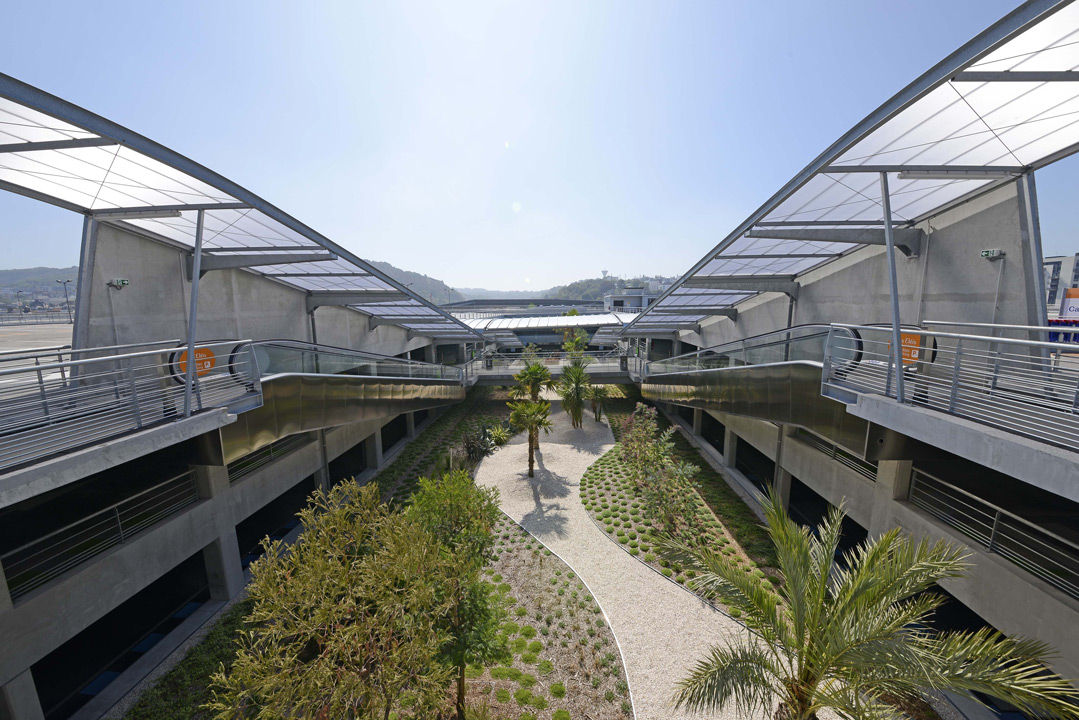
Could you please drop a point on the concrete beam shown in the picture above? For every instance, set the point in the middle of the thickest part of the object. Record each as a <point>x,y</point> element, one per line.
<point>231,261</point>
<point>358,297</point>
<point>765,283</point>
<point>28,482</point>
<point>908,240</point>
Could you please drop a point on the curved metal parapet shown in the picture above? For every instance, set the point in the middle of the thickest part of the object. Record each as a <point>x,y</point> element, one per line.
<point>300,402</point>
<point>783,392</point>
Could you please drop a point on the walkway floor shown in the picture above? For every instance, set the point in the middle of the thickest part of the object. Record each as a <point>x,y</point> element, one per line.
<point>662,628</point>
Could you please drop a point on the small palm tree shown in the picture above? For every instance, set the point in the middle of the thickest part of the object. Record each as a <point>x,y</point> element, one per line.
<point>598,394</point>
<point>531,381</point>
<point>533,417</point>
<point>574,391</point>
<point>847,638</point>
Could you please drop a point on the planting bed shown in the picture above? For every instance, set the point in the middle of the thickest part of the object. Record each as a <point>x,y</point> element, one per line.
<point>565,662</point>
<point>611,498</point>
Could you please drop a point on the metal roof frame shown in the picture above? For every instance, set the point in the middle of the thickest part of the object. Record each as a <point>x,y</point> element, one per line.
<point>974,100</point>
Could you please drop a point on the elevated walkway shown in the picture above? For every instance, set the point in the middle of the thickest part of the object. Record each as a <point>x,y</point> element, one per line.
<point>774,377</point>
<point>495,368</point>
<point>59,401</point>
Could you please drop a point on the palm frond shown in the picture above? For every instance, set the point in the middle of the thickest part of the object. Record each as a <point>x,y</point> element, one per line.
<point>741,673</point>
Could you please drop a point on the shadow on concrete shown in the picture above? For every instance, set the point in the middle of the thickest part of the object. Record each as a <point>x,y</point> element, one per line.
<point>547,516</point>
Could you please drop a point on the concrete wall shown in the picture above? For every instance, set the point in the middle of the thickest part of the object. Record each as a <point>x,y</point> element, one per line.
<point>233,304</point>
<point>948,281</point>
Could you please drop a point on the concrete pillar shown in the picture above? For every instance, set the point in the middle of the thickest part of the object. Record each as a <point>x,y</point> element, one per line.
<point>224,571</point>
<point>373,449</point>
<point>730,448</point>
<point>322,475</point>
<point>429,353</point>
<point>5,595</point>
<point>781,485</point>
<point>698,421</point>
<point>676,347</point>
<point>893,483</point>
<point>18,699</point>
<point>781,480</point>
<point>410,424</point>
<point>221,558</point>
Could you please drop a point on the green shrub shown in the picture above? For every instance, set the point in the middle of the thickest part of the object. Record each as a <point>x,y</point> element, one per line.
<point>558,690</point>
<point>502,695</point>
<point>561,715</point>
<point>523,696</point>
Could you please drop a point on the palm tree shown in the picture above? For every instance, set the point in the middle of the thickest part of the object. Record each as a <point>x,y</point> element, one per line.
<point>533,417</point>
<point>848,639</point>
<point>598,394</point>
<point>531,381</point>
<point>574,390</point>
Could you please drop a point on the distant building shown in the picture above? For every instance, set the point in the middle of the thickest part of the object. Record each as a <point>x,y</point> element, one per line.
<point>629,299</point>
<point>1061,273</point>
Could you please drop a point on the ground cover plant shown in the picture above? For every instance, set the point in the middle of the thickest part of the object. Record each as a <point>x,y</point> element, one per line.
<point>636,521</point>
<point>565,664</point>
<point>439,447</point>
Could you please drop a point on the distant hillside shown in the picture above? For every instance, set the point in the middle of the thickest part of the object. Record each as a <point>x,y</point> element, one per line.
<point>434,290</point>
<point>596,288</point>
<point>481,294</point>
<point>36,282</point>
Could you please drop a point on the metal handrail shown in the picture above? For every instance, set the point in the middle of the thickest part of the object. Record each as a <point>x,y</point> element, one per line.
<point>179,491</point>
<point>41,350</point>
<point>31,353</point>
<point>44,410</point>
<point>415,368</point>
<point>1007,383</point>
<point>996,522</point>
<point>993,326</point>
<point>694,361</point>
<point>959,336</point>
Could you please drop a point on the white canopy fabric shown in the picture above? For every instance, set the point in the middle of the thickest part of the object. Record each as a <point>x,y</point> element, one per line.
<point>59,153</point>
<point>1002,106</point>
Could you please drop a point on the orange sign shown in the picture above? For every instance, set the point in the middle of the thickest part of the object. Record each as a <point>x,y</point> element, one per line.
<point>204,361</point>
<point>910,350</point>
<point>1069,306</point>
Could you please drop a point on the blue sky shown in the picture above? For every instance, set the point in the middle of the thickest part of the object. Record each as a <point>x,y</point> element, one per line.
<point>504,145</point>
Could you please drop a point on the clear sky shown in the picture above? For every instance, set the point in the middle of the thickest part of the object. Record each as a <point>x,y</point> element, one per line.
<point>507,145</point>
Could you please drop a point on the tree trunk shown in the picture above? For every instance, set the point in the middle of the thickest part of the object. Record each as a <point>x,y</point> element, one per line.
<point>531,454</point>
<point>461,692</point>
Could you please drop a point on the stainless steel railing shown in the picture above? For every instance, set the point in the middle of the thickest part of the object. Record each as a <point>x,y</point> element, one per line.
<point>612,361</point>
<point>49,408</point>
<point>798,343</point>
<point>41,560</point>
<point>1036,549</point>
<point>1026,387</point>
<point>291,356</point>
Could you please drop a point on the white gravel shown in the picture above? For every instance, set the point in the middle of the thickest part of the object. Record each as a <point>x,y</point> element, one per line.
<point>662,628</point>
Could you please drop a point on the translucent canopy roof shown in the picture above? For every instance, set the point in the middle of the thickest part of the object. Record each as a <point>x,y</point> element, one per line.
<point>59,153</point>
<point>550,322</point>
<point>1001,106</point>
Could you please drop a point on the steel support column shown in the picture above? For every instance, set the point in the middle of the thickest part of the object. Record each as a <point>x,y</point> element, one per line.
<point>1031,237</point>
<point>893,281</point>
<point>193,314</point>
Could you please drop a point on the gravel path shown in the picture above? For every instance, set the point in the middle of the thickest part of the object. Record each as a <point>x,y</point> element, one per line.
<point>662,628</point>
